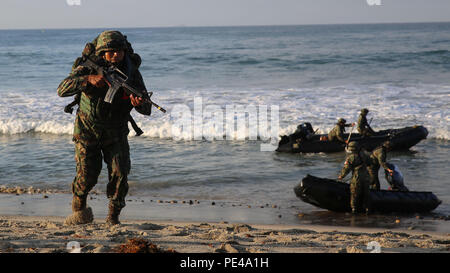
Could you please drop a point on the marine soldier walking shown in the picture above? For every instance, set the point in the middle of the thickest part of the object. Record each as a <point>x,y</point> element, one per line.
<point>101,130</point>
<point>356,162</point>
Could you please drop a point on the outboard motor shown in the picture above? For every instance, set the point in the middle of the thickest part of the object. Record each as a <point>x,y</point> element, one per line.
<point>308,127</point>
<point>304,131</point>
<point>396,179</point>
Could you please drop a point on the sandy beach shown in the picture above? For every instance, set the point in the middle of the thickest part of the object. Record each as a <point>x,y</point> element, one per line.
<point>37,234</point>
<point>32,222</point>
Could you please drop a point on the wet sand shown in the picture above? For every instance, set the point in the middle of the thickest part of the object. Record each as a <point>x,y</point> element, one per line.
<point>32,234</point>
<point>34,223</point>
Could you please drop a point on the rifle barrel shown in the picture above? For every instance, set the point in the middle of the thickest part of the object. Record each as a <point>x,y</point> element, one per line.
<point>140,94</point>
<point>123,84</point>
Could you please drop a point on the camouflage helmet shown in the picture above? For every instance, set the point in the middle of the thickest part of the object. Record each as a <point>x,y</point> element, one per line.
<point>110,40</point>
<point>353,146</point>
<point>341,121</point>
<point>387,144</point>
<point>364,110</point>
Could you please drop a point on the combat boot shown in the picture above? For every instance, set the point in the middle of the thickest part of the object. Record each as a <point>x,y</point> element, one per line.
<point>113,215</point>
<point>79,203</point>
<point>80,213</point>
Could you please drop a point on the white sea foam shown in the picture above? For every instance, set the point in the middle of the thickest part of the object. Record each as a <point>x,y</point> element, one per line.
<point>390,107</point>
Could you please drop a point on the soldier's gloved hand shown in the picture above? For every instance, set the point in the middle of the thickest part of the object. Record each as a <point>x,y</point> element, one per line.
<point>96,80</point>
<point>136,101</point>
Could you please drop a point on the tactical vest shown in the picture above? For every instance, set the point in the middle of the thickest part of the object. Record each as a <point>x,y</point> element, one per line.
<point>92,106</point>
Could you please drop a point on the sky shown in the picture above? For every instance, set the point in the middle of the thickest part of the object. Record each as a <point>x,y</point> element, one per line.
<point>46,14</point>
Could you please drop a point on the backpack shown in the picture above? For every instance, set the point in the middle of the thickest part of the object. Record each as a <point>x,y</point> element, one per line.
<point>89,51</point>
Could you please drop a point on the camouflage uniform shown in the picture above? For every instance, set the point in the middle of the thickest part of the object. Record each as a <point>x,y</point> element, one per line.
<point>101,128</point>
<point>337,133</point>
<point>363,126</point>
<point>377,159</point>
<point>359,184</point>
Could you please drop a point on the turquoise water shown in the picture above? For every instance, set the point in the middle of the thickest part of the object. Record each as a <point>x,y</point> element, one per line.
<point>312,73</point>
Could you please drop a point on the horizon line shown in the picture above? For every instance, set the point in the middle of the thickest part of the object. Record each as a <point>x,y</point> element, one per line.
<point>218,26</point>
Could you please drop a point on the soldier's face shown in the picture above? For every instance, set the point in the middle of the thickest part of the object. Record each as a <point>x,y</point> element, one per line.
<point>114,56</point>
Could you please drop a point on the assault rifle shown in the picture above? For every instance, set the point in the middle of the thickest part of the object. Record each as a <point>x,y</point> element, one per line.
<point>76,101</point>
<point>117,79</point>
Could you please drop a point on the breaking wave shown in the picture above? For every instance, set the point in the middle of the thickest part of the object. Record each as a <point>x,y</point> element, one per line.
<point>390,107</point>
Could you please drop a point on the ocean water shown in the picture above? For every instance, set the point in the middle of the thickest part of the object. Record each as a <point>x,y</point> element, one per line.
<point>309,73</point>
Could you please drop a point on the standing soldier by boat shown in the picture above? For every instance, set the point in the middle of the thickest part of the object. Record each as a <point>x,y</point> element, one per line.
<point>363,126</point>
<point>377,160</point>
<point>337,133</point>
<point>101,128</point>
<point>356,162</point>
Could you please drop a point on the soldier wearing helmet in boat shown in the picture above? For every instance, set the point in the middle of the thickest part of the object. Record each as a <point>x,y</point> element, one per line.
<point>337,133</point>
<point>363,126</point>
<point>357,162</point>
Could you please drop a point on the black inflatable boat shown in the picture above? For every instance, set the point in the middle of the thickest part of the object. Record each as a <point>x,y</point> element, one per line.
<point>401,139</point>
<point>335,196</point>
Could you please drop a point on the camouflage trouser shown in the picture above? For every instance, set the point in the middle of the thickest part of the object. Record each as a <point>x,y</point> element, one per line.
<point>374,180</point>
<point>89,164</point>
<point>367,132</point>
<point>359,191</point>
